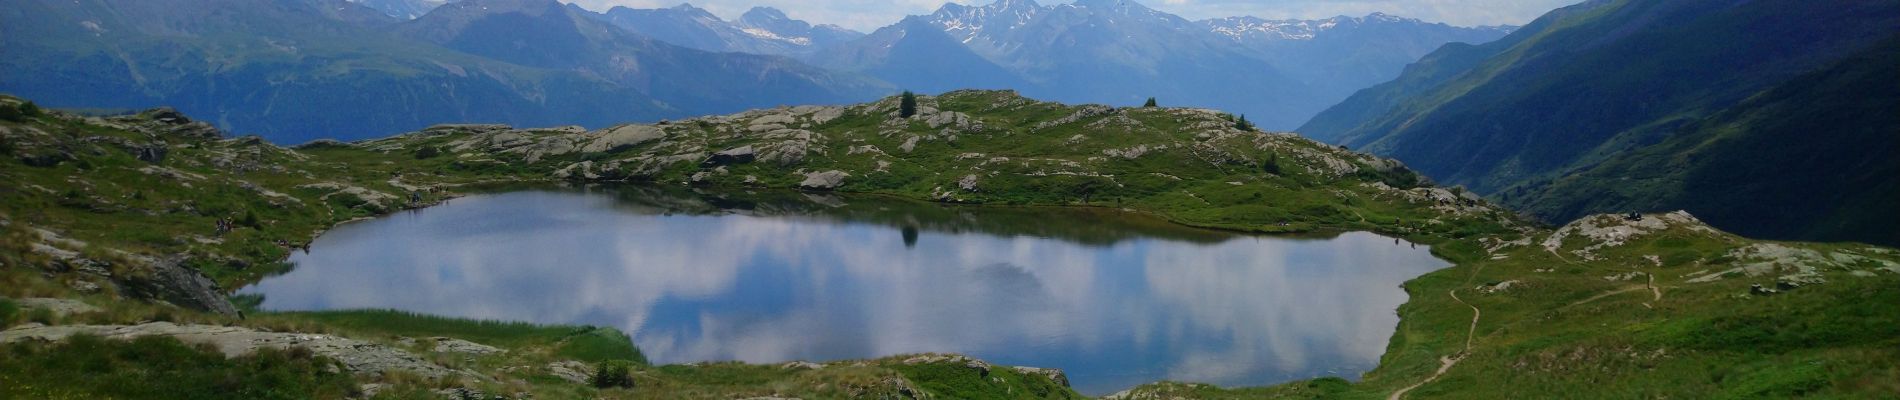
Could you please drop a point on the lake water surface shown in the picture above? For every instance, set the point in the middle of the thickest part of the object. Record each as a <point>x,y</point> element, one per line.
<point>1114,300</point>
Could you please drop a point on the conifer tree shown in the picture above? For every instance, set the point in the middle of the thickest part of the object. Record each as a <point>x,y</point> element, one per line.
<point>907,106</point>
<point>1150,103</point>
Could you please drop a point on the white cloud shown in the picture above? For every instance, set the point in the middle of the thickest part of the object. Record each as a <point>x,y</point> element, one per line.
<point>868,15</point>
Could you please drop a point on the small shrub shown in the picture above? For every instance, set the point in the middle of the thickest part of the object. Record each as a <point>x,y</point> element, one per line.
<point>613,374</point>
<point>11,113</point>
<point>41,315</point>
<point>164,315</point>
<point>31,110</point>
<point>250,220</point>
<point>428,152</point>
<point>8,311</point>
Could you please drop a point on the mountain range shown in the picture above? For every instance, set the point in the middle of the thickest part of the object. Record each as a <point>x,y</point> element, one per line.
<point>761,30</point>
<point>1783,128</point>
<point>1279,73</point>
<point>296,70</point>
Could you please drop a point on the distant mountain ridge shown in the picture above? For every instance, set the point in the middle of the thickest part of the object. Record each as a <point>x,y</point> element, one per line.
<point>297,70</point>
<point>294,70</point>
<point>1121,52</point>
<point>761,30</point>
<point>1623,105</point>
<point>404,9</point>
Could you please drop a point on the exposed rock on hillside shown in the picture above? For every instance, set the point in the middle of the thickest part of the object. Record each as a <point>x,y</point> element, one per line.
<point>1596,232</point>
<point>824,180</point>
<point>356,355</point>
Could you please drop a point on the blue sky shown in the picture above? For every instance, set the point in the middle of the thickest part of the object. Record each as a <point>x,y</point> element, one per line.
<point>867,15</point>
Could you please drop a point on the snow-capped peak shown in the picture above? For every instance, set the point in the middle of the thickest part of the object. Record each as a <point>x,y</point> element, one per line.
<point>966,22</point>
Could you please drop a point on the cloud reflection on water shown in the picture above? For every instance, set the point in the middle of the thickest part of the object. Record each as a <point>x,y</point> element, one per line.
<point>1246,310</point>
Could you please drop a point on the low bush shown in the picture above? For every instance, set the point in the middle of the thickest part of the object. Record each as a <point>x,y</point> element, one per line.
<point>613,374</point>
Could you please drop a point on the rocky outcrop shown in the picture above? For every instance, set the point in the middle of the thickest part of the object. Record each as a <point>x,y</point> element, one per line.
<point>1598,232</point>
<point>736,155</point>
<point>1050,373</point>
<point>172,282</point>
<point>453,345</point>
<point>571,371</point>
<point>356,355</point>
<point>968,183</point>
<point>622,137</point>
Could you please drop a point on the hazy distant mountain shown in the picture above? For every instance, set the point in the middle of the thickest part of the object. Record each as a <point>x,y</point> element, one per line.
<point>295,70</point>
<point>761,30</point>
<point>1770,118</point>
<point>1340,55</point>
<point>772,23</point>
<point>1120,52</point>
<point>547,34</point>
<point>404,9</point>
<point>916,56</point>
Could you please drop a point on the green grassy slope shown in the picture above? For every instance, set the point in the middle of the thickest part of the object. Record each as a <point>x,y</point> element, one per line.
<point>1663,307</point>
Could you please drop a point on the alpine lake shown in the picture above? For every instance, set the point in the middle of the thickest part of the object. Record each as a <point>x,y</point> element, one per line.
<point>1115,299</point>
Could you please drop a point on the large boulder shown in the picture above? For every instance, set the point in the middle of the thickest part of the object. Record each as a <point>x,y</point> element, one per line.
<point>1049,373</point>
<point>624,136</point>
<point>736,155</point>
<point>173,282</point>
<point>827,180</point>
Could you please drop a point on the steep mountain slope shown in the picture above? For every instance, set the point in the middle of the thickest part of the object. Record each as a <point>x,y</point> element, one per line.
<point>297,70</point>
<point>1121,52</point>
<point>761,30</point>
<point>1813,158</point>
<point>1598,80</point>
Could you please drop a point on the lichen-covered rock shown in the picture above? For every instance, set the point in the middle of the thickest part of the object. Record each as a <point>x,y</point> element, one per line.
<point>827,180</point>
<point>453,345</point>
<point>1602,231</point>
<point>736,155</point>
<point>572,371</point>
<point>171,281</point>
<point>968,183</point>
<point>1050,373</point>
<point>623,136</point>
